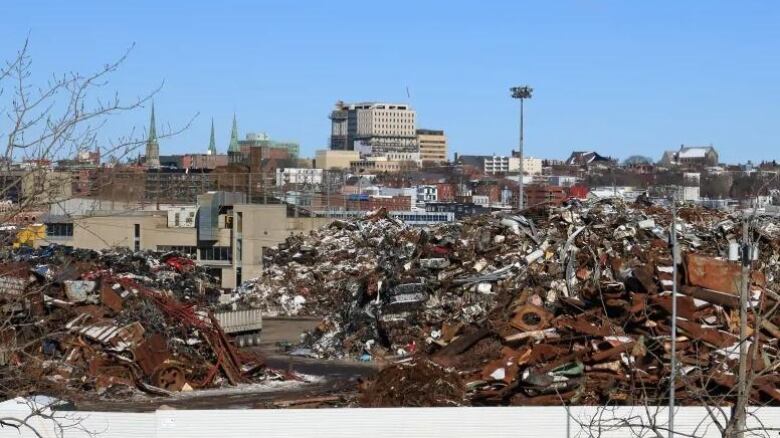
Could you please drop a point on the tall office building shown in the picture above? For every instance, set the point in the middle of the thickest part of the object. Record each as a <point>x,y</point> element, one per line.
<point>373,128</point>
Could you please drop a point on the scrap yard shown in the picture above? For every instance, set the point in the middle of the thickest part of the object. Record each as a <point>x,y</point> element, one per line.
<point>553,305</point>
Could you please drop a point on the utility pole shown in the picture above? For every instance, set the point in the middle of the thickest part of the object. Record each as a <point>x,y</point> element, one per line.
<point>673,361</point>
<point>522,93</point>
<point>740,407</point>
<point>327,191</point>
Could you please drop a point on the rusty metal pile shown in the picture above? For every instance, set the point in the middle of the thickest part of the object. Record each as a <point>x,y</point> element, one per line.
<point>113,324</point>
<point>567,304</point>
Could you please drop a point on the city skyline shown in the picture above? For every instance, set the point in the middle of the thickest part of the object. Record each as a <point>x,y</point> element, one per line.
<point>618,79</point>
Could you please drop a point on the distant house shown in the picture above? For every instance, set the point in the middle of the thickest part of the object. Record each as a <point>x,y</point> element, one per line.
<point>588,158</point>
<point>690,156</point>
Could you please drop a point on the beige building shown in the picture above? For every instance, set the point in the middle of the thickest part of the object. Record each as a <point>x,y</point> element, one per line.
<point>382,165</point>
<point>233,251</point>
<point>433,145</point>
<point>532,166</point>
<point>260,226</point>
<point>373,127</point>
<point>334,159</point>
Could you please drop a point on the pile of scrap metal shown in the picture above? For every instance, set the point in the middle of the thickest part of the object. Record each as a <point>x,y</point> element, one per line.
<point>563,304</point>
<point>313,275</point>
<point>79,326</point>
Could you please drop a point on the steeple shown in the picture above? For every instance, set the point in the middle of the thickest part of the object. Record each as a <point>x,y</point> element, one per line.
<point>152,146</point>
<point>234,137</point>
<point>234,150</point>
<point>212,142</point>
<point>152,127</point>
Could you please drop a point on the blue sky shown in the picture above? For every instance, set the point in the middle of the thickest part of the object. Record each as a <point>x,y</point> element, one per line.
<point>615,76</point>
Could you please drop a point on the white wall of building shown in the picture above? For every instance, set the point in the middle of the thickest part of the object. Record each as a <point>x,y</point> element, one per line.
<point>427,193</point>
<point>296,175</point>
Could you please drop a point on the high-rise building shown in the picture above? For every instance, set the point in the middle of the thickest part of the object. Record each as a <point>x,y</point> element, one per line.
<point>152,146</point>
<point>373,128</point>
<point>433,145</point>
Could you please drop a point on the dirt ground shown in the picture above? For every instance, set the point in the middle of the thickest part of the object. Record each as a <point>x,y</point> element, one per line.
<point>277,330</point>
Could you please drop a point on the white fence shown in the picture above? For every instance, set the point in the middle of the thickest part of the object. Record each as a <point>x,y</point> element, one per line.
<point>519,422</point>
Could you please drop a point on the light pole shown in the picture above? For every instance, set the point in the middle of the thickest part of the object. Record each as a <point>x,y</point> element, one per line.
<point>522,93</point>
<point>673,362</point>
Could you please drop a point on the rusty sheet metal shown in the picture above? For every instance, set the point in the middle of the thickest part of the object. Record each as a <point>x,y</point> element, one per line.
<point>709,335</point>
<point>711,296</point>
<point>717,274</point>
<point>463,343</point>
<point>529,317</point>
<point>686,308</point>
<point>581,325</point>
<point>151,353</point>
<point>170,377</point>
<point>449,331</point>
<point>104,332</point>
<point>644,275</point>
<point>109,373</point>
<point>505,369</point>
<point>611,353</point>
<point>110,298</point>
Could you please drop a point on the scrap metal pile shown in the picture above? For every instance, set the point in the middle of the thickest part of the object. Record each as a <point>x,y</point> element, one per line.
<point>112,323</point>
<point>567,304</point>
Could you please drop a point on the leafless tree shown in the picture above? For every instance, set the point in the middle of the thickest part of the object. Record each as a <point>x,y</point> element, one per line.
<point>40,124</point>
<point>59,119</point>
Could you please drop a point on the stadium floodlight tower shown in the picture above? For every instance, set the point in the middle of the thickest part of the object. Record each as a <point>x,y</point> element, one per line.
<point>523,92</point>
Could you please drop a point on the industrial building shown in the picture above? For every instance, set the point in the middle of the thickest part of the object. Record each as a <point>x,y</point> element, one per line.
<point>227,235</point>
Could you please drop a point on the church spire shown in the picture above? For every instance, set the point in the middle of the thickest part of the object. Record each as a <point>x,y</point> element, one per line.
<point>234,137</point>
<point>152,146</point>
<point>152,127</point>
<point>212,142</point>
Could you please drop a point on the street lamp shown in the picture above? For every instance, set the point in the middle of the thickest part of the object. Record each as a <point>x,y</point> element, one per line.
<point>521,93</point>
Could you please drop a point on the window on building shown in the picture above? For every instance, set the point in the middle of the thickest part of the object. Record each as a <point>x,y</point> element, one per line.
<point>217,253</point>
<point>59,230</point>
<point>184,249</point>
<point>137,237</point>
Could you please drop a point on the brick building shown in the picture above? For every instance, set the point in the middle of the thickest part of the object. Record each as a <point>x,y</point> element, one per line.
<point>544,194</point>
<point>369,203</point>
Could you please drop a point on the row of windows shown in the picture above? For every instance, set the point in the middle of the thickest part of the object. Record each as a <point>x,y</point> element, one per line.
<point>422,217</point>
<point>184,249</point>
<point>221,253</point>
<point>59,230</point>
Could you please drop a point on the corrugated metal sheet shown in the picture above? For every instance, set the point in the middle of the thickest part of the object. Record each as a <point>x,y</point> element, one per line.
<point>518,422</point>
<point>240,320</point>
